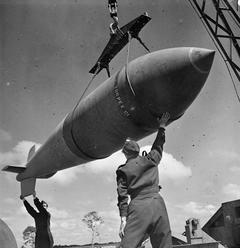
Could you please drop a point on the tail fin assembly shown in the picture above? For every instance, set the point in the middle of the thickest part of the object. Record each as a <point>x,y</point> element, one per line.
<point>14,169</point>
<point>27,185</point>
<point>31,152</point>
<point>19,169</point>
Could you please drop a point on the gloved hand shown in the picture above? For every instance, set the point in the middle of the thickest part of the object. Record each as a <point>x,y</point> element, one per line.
<point>22,198</point>
<point>162,121</point>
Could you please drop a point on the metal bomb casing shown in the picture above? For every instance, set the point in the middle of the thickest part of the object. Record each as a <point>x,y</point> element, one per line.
<point>125,105</point>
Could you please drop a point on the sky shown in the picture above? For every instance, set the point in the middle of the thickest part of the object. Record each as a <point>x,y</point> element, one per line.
<point>47,48</point>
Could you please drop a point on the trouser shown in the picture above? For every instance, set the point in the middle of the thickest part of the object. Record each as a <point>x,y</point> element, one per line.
<point>147,217</point>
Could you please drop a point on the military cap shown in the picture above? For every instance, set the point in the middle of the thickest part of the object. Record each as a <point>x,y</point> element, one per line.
<point>130,147</point>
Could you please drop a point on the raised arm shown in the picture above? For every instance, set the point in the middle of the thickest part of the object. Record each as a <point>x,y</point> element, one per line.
<point>39,205</point>
<point>157,147</point>
<point>29,208</point>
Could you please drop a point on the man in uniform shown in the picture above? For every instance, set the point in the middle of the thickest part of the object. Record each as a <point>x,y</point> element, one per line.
<point>43,238</point>
<point>146,215</point>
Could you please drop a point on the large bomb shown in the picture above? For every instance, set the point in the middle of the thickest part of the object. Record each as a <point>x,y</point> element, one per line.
<point>125,105</point>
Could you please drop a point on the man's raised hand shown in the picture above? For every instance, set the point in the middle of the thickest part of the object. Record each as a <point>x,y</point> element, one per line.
<point>162,121</point>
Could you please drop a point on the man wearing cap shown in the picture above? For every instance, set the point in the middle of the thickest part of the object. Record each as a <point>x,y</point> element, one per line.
<point>44,238</point>
<point>146,215</point>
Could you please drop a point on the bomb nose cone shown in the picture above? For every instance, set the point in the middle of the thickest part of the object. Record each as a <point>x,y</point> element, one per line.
<point>169,80</point>
<point>201,59</point>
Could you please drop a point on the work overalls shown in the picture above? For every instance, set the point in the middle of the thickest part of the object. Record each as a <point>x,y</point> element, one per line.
<point>146,213</point>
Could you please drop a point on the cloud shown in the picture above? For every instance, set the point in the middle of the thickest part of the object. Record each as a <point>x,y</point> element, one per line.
<point>22,211</point>
<point>112,215</point>
<point>169,169</point>
<point>69,225</point>
<point>109,164</point>
<point>74,227</point>
<point>232,190</point>
<point>105,166</point>
<point>10,201</point>
<point>225,155</point>
<point>58,214</point>
<point>172,169</point>
<point>65,177</point>
<point>4,136</point>
<point>197,209</point>
<point>19,153</point>
<point>235,169</point>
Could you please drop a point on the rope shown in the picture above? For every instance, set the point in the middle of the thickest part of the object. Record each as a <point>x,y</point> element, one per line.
<point>128,52</point>
<point>220,52</point>
<point>85,90</point>
<point>72,113</point>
